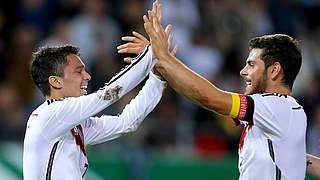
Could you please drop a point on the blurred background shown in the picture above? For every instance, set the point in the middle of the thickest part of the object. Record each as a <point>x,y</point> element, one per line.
<point>178,140</point>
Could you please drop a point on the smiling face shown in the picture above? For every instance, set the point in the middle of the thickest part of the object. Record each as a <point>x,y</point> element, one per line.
<point>75,80</point>
<point>254,73</point>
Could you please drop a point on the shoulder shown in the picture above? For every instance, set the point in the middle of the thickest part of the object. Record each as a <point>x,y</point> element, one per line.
<point>51,101</point>
<point>270,97</point>
<point>46,108</point>
<point>274,102</point>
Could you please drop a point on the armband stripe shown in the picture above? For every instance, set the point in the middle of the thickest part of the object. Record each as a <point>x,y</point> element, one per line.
<point>235,105</point>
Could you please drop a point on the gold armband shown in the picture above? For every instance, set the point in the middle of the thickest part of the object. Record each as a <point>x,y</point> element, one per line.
<point>235,105</point>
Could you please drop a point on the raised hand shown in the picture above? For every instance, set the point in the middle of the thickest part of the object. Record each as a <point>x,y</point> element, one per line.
<point>134,45</point>
<point>161,39</point>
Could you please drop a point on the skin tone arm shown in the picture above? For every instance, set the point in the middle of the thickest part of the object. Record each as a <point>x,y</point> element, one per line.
<point>179,76</point>
<point>313,167</point>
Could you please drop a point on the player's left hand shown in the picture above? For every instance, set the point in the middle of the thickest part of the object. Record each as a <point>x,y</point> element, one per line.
<point>160,38</point>
<point>134,45</point>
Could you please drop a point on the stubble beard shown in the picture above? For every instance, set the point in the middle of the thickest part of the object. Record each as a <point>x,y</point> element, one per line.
<point>258,87</point>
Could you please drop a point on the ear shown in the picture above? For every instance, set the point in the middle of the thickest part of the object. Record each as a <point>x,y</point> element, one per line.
<point>275,70</point>
<point>55,82</point>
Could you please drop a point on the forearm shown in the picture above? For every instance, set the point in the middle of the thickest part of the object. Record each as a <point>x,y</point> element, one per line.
<point>193,86</point>
<point>146,100</point>
<point>110,127</point>
<point>313,167</point>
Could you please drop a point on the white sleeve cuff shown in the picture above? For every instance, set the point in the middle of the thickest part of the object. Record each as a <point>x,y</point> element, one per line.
<point>156,77</point>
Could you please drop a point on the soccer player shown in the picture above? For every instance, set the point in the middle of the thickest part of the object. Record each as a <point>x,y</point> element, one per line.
<point>272,145</point>
<point>59,130</point>
<point>313,165</point>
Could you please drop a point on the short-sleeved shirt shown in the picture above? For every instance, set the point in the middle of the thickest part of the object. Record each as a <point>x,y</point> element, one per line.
<point>272,145</point>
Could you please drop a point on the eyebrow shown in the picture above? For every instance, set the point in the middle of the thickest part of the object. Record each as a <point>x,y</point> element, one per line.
<point>80,67</point>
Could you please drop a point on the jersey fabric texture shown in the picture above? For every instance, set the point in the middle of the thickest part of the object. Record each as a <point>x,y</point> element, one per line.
<point>272,145</point>
<point>59,130</point>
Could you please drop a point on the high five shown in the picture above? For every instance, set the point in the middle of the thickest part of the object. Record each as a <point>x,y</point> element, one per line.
<point>274,123</point>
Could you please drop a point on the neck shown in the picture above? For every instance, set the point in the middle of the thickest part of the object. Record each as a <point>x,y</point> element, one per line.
<point>54,95</point>
<point>280,89</point>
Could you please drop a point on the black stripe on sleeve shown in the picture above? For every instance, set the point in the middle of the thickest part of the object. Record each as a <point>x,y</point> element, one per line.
<point>296,108</point>
<point>250,109</point>
<point>129,67</point>
<point>271,151</point>
<point>50,163</point>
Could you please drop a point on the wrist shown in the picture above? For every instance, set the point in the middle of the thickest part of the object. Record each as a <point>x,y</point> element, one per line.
<point>164,59</point>
<point>164,55</point>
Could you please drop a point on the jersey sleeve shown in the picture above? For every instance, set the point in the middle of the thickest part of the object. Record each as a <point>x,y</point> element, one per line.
<point>255,110</point>
<point>104,128</point>
<point>242,109</point>
<point>61,116</point>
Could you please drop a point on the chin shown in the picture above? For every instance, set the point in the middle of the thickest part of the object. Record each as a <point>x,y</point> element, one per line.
<point>250,91</point>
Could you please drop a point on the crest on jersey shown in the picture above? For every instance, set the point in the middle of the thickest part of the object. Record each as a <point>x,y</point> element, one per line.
<point>110,94</point>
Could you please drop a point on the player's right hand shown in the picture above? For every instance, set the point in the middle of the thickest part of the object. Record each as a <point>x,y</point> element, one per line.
<point>160,38</point>
<point>134,45</point>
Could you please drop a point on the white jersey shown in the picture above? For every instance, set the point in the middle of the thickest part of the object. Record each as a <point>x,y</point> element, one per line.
<point>272,145</point>
<point>59,130</point>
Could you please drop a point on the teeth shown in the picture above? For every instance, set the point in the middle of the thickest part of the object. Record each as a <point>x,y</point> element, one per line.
<point>83,87</point>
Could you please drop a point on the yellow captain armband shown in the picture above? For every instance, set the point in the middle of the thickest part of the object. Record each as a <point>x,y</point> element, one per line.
<point>235,105</point>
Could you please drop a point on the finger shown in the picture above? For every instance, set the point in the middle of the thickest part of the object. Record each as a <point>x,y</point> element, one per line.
<point>126,45</point>
<point>123,51</point>
<point>145,19</point>
<point>154,7</point>
<point>150,15</point>
<point>148,28</point>
<point>129,38</point>
<point>127,60</point>
<point>159,11</point>
<point>170,38</point>
<point>122,46</point>
<point>131,50</point>
<point>155,22</point>
<point>168,29</point>
<point>175,50</point>
<point>138,35</point>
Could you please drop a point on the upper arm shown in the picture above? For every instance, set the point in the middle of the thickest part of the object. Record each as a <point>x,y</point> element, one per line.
<point>258,111</point>
<point>61,116</point>
<point>100,129</point>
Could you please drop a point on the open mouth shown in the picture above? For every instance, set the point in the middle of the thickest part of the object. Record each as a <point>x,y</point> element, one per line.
<point>247,81</point>
<point>84,89</point>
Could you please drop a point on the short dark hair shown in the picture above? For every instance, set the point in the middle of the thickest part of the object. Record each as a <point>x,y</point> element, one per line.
<point>50,61</point>
<point>283,49</point>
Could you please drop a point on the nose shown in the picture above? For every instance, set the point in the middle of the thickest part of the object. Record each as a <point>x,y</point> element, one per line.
<point>87,76</point>
<point>243,72</point>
